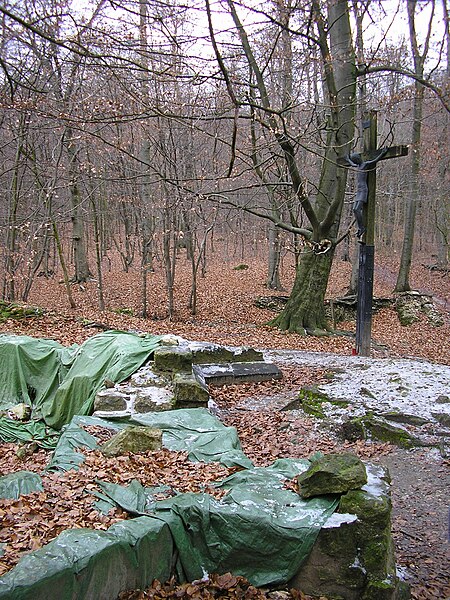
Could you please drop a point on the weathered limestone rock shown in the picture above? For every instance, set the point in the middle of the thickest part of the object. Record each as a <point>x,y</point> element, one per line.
<point>173,359</point>
<point>406,418</point>
<point>377,428</point>
<point>146,376</point>
<point>353,557</point>
<point>411,305</point>
<point>246,354</point>
<point>189,391</point>
<point>151,399</point>
<point>310,399</point>
<point>332,474</point>
<point>442,418</point>
<point>133,439</point>
<point>442,399</point>
<point>111,399</point>
<point>172,380</point>
<point>205,353</point>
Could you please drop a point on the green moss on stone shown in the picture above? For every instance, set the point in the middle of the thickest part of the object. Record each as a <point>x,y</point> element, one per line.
<point>377,428</point>
<point>189,392</point>
<point>332,474</point>
<point>173,359</point>
<point>133,439</point>
<point>311,400</point>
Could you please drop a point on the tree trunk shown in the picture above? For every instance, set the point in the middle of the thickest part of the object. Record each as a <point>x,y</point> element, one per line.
<point>273,276</point>
<point>82,272</point>
<point>304,312</point>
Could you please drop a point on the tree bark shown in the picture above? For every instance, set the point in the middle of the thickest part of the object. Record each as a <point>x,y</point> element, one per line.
<point>304,312</point>
<point>403,284</point>
<point>82,271</point>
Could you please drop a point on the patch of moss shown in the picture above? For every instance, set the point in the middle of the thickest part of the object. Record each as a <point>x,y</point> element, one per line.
<point>241,267</point>
<point>311,400</point>
<point>11,310</point>
<point>124,311</point>
<point>376,428</point>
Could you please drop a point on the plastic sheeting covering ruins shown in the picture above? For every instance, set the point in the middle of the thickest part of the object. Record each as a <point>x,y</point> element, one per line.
<point>59,382</point>
<point>260,529</point>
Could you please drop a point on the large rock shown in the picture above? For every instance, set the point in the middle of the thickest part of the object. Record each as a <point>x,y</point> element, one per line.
<point>111,399</point>
<point>372,427</point>
<point>332,474</point>
<point>145,376</point>
<point>205,353</point>
<point>412,305</point>
<point>353,556</point>
<point>153,399</point>
<point>133,439</point>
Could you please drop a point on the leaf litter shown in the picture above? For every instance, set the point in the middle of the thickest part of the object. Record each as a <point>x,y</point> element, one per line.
<point>420,503</point>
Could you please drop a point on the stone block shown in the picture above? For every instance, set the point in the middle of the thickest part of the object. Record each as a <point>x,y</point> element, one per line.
<point>377,428</point>
<point>255,371</point>
<point>353,556</point>
<point>173,359</point>
<point>206,353</point>
<point>153,399</point>
<point>145,376</point>
<point>246,354</point>
<point>216,374</point>
<point>111,399</point>
<point>133,439</point>
<point>334,473</point>
<point>189,391</point>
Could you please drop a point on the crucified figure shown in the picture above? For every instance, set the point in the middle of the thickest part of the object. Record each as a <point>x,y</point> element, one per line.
<point>363,167</point>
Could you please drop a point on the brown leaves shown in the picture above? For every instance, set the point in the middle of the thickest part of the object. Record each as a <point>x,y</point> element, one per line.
<point>211,587</point>
<point>35,519</point>
<point>225,310</point>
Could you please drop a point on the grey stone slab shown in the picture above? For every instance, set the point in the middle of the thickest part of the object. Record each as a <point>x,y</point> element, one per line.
<point>255,371</point>
<point>217,374</point>
<point>239,372</point>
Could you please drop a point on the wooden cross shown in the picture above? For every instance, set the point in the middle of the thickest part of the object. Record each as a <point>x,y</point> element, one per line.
<point>370,156</point>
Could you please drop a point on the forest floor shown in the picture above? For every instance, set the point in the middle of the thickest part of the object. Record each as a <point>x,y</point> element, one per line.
<point>227,315</point>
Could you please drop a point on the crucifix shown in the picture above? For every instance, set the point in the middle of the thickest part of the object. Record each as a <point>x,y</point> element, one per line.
<point>364,210</point>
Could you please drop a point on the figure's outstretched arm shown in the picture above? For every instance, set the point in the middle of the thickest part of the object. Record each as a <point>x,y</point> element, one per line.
<point>350,161</point>
<point>379,156</point>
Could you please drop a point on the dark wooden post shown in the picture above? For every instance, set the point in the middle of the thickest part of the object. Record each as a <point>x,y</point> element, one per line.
<point>367,242</point>
<point>367,246</point>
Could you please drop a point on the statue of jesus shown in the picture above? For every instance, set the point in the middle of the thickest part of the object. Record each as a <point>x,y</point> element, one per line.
<point>363,167</point>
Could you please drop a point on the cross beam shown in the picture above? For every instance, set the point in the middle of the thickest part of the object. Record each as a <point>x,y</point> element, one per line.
<point>366,202</point>
<point>391,152</point>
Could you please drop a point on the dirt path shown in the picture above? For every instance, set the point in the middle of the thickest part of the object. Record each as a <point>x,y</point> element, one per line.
<point>420,497</point>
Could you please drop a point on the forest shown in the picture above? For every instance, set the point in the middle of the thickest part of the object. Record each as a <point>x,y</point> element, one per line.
<point>190,169</point>
<point>138,131</point>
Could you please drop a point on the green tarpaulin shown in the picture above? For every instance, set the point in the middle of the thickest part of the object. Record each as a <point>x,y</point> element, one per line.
<point>61,382</point>
<point>192,430</point>
<point>259,530</point>
<point>15,484</point>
